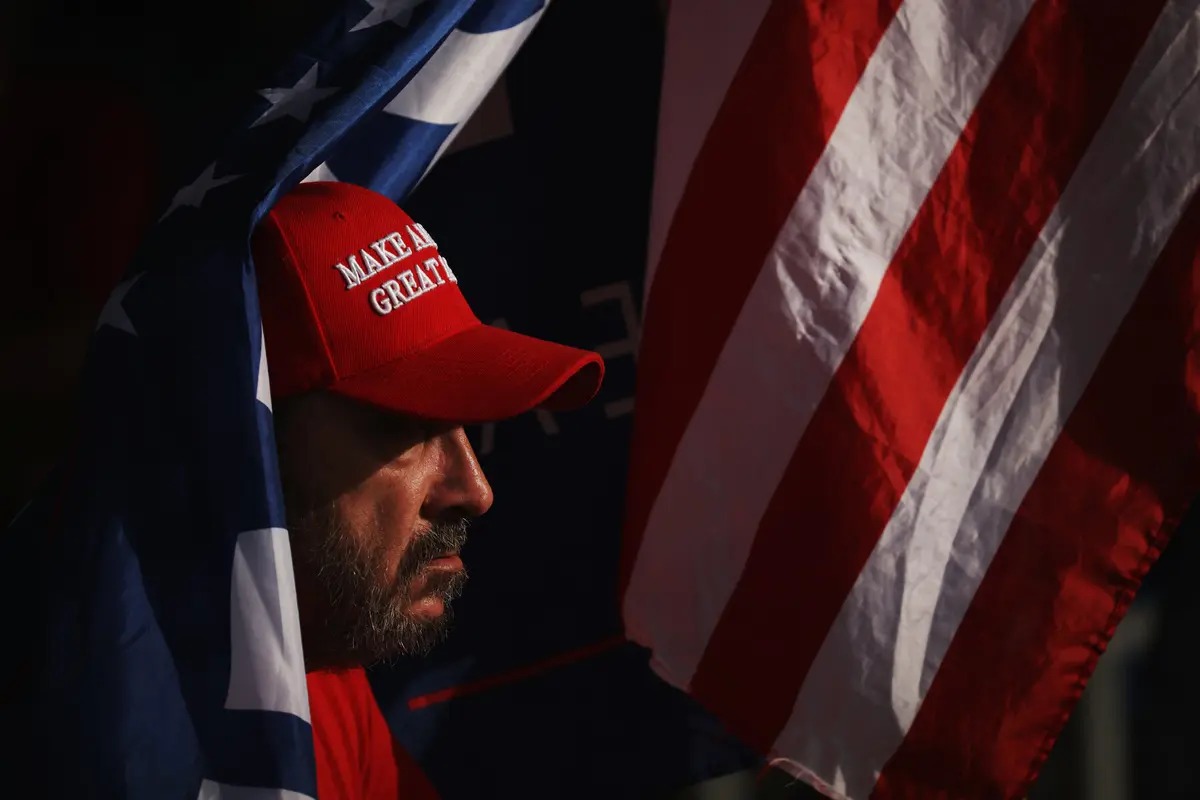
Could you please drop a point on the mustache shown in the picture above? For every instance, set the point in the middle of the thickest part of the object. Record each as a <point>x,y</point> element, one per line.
<point>439,539</point>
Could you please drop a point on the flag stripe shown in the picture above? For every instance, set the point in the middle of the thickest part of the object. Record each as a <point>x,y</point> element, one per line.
<point>366,157</point>
<point>703,50</point>
<point>423,119</point>
<point>1113,488</point>
<point>490,16</point>
<point>211,790</point>
<point>900,621</point>
<point>742,203</point>
<point>948,277</point>
<point>266,669</point>
<point>897,132</point>
<point>459,74</point>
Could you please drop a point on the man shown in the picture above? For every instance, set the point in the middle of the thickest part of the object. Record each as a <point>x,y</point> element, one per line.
<point>376,362</point>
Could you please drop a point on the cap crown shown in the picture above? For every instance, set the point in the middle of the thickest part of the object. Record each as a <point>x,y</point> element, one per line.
<point>348,282</point>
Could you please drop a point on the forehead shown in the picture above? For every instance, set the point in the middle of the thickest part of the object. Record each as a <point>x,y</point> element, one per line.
<point>327,411</point>
<point>336,422</point>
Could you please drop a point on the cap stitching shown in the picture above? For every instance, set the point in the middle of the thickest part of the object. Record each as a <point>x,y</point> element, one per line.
<point>312,309</point>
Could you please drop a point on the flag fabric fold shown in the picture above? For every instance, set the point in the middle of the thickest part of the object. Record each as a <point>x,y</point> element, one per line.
<point>917,393</point>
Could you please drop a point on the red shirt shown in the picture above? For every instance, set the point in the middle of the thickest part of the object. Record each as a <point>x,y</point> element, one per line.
<point>357,758</point>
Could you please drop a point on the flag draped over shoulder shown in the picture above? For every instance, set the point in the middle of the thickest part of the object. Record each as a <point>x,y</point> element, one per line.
<point>918,393</point>
<point>173,663</point>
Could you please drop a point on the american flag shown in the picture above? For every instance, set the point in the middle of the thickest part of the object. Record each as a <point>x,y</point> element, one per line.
<point>173,662</point>
<point>918,393</point>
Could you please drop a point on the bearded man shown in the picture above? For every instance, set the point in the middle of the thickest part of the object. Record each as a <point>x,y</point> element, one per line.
<point>376,364</point>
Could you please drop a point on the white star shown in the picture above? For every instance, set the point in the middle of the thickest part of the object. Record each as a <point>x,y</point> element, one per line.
<point>296,101</point>
<point>193,195</point>
<point>113,313</point>
<point>396,11</point>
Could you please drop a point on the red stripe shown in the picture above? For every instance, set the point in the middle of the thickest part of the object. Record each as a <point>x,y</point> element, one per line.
<point>858,454</point>
<point>1112,491</point>
<point>764,142</point>
<point>512,676</point>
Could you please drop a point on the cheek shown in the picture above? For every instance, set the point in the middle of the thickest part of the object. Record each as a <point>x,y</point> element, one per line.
<point>382,513</point>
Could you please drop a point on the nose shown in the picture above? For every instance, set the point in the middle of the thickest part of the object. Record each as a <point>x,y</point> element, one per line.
<point>463,489</point>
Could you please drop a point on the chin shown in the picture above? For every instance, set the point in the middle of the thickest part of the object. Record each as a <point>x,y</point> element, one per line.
<point>427,607</point>
<point>422,626</point>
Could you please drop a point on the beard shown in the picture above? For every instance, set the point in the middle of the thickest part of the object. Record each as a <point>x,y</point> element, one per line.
<point>361,615</point>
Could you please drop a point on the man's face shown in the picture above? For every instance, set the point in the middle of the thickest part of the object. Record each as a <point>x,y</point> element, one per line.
<point>377,507</point>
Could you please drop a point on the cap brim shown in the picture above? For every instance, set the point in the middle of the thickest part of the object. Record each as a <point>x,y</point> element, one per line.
<point>482,374</point>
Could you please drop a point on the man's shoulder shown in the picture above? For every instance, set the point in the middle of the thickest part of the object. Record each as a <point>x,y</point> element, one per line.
<point>352,743</point>
<point>339,693</point>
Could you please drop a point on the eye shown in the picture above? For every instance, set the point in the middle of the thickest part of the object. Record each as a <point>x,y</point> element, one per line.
<point>399,429</point>
<point>387,435</point>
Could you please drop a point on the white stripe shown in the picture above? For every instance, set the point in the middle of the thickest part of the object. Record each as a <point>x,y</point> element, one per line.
<point>437,156</point>
<point>706,41</point>
<point>266,670</point>
<point>1033,363</point>
<point>322,172</point>
<point>263,390</point>
<point>211,790</point>
<point>491,120</point>
<point>458,76</point>
<point>802,314</point>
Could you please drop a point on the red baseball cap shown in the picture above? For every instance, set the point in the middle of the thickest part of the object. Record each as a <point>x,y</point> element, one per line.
<point>357,300</point>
